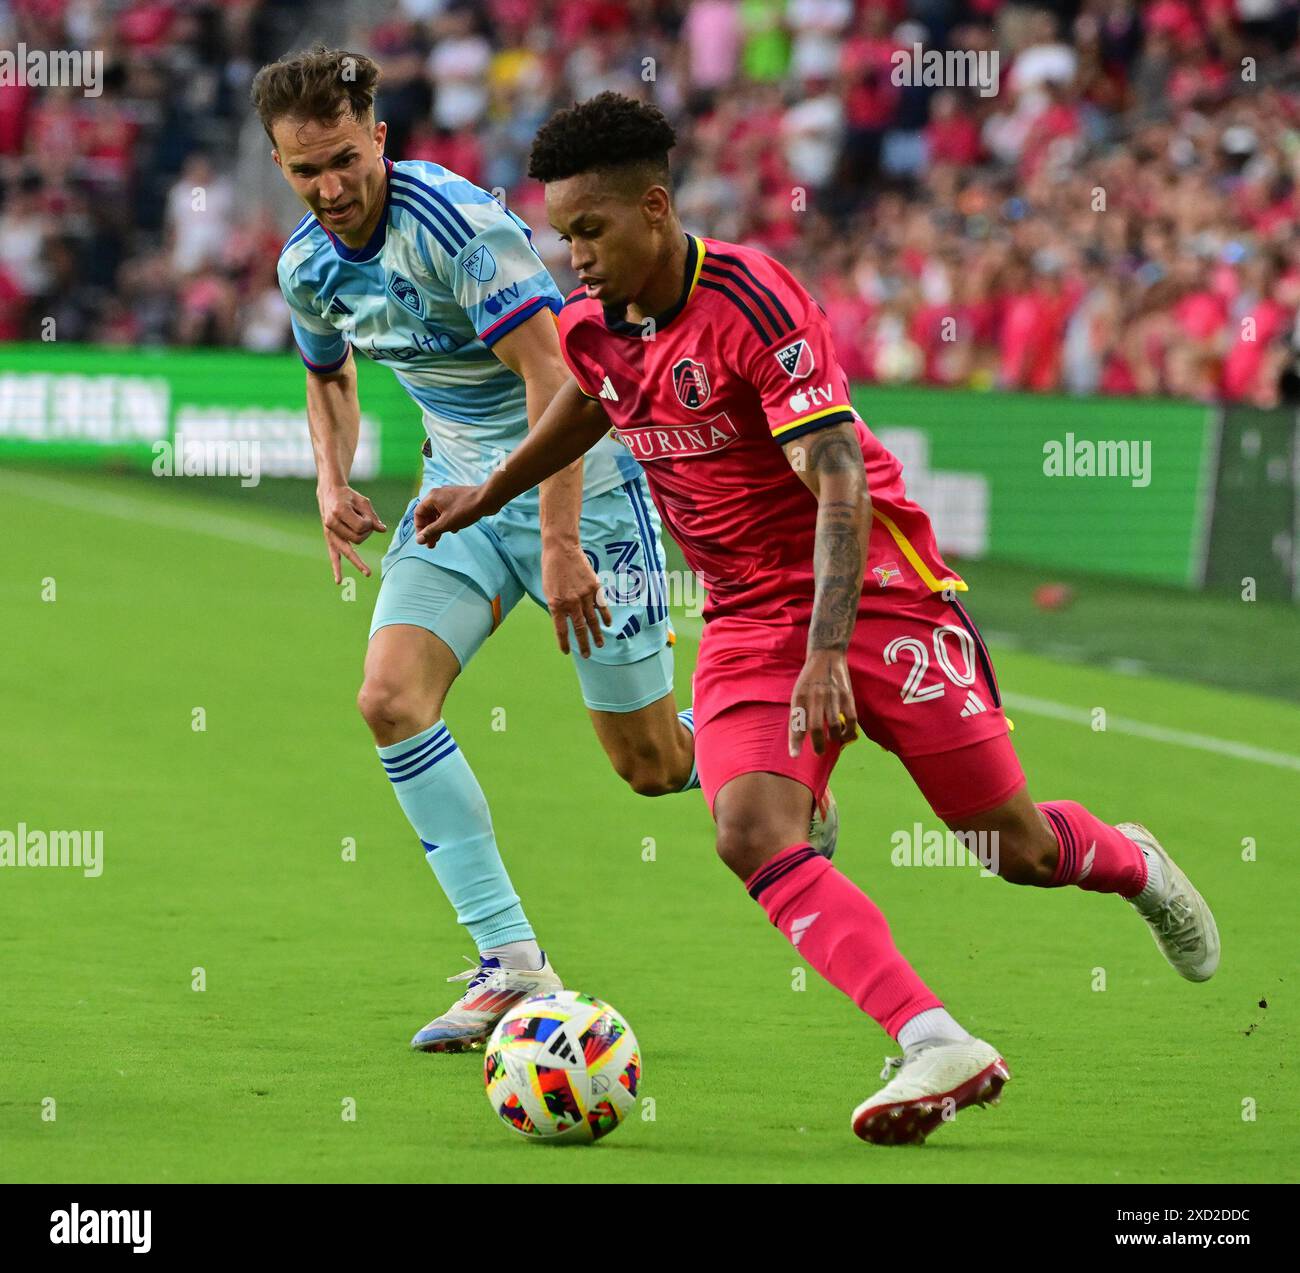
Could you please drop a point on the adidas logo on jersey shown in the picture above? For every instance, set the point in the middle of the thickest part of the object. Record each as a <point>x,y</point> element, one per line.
<point>607,390</point>
<point>973,705</point>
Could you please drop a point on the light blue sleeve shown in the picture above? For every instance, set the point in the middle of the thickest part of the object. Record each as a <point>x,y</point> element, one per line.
<point>321,347</point>
<point>496,276</point>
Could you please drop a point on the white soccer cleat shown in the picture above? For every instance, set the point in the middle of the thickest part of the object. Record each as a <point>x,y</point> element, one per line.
<point>1181,923</point>
<point>933,1079</point>
<point>491,993</point>
<point>824,830</point>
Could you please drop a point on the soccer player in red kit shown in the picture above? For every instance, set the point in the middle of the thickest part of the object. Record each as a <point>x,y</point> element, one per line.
<point>829,605</point>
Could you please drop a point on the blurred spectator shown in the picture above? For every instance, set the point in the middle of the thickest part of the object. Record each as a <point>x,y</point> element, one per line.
<point>199,209</point>
<point>1120,216</point>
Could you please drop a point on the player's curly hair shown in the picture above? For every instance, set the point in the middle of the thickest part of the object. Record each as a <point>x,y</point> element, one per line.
<point>316,84</point>
<point>606,131</point>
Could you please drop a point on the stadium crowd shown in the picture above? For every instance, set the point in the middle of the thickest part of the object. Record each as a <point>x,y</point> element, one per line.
<point>1119,217</point>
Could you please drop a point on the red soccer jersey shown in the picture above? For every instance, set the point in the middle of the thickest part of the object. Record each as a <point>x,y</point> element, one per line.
<point>705,397</point>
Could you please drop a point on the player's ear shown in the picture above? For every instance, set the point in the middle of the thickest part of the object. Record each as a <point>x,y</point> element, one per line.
<point>380,133</point>
<point>656,205</point>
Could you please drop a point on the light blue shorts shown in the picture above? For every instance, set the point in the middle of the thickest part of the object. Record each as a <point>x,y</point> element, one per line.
<point>463,587</point>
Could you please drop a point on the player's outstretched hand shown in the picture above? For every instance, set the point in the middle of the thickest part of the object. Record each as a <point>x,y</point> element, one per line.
<point>347,518</point>
<point>822,703</point>
<point>446,509</point>
<point>573,595</point>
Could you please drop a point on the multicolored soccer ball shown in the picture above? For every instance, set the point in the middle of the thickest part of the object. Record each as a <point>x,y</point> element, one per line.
<point>562,1067</point>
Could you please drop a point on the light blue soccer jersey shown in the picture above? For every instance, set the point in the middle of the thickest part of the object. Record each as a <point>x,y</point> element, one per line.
<point>447,273</point>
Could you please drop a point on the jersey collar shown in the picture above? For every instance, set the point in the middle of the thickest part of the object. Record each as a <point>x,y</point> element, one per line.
<point>614,314</point>
<point>375,243</point>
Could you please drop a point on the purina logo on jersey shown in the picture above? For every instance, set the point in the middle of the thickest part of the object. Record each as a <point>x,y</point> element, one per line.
<point>407,293</point>
<point>679,441</point>
<point>480,264</point>
<point>796,359</point>
<point>692,383</point>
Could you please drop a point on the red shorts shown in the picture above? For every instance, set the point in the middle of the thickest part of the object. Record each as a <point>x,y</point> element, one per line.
<point>924,688</point>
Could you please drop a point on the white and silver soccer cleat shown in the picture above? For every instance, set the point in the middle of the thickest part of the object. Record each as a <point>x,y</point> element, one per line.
<point>824,830</point>
<point>491,993</point>
<point>1181,923</point>
<point>931,1081</point>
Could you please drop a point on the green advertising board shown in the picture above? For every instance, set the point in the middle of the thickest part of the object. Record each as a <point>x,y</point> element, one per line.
<point>1107,485</point>
<point>114,406</point>
<point>1172,492</point>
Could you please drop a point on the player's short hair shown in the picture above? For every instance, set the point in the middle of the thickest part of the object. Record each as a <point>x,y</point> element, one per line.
<point>607,133</point>
<point>318,84</point>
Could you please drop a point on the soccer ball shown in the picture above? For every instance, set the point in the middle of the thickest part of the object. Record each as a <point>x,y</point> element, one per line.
<point>562,1067</point>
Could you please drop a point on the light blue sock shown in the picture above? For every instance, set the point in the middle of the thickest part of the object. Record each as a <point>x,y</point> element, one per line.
<point>687,718</point>
<point>444,803</point>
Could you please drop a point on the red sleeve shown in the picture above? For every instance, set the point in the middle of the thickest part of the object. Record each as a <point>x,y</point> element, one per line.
<point>785,348</point>
<point>567,320</point>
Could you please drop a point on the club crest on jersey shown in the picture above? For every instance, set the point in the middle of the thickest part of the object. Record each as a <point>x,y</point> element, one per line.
<point>887,574</point>
<point>796,359</point>
<point>480,264</point>
<point>692,383</point>
<point>407,293</point>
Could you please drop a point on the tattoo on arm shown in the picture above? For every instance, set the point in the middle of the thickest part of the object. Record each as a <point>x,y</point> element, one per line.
<point>843,510</point>
<point>832,451</point>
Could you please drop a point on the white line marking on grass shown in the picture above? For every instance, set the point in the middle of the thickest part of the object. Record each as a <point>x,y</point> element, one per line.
<point>1114,724</point>
<point>1157,733</point>
<point>236,530</point>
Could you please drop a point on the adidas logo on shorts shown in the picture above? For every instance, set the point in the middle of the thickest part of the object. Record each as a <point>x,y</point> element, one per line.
<point>973,705</point>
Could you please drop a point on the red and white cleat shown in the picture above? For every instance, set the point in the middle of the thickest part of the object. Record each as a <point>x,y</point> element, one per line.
<point>934,1079</point>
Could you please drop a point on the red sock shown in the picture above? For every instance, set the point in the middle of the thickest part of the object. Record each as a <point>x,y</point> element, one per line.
<point>1094,855</point>
<point>840,931</point>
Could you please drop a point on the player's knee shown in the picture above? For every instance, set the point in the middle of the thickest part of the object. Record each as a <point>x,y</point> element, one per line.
<point>744,844</point>
<point>645,770</point>
<point>391,710</point>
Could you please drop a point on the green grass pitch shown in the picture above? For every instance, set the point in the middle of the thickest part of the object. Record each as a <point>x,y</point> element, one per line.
<point>223,852</point>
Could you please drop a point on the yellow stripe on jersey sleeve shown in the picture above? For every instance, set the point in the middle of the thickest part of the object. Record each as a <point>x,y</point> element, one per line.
<point>914,558</point>
<point>803,419</point>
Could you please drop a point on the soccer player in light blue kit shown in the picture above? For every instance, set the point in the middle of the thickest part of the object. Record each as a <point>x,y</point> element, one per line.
<point>425,273</point>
